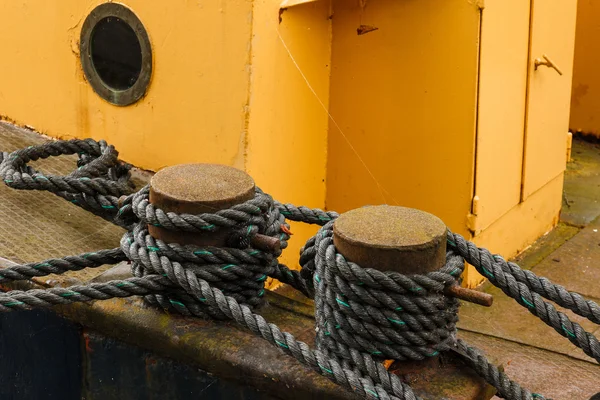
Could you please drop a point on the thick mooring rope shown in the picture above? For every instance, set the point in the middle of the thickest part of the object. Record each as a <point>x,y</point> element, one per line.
<point>385,314</point>
<point>363,316</point>
<point>238,271</point>
<point>528,290</point>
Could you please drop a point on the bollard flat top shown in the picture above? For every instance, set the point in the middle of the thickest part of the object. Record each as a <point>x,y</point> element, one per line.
<point>200,188</point>
<point>401,239</point>
<point>389,226</point>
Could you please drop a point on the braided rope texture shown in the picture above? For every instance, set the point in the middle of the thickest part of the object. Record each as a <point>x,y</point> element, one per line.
<point>362,315</point>
<point>95,186</point>
<point>386,314</point>
<point>529,290</point>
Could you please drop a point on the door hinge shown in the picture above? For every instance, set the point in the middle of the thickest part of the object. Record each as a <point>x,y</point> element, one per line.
<point>480,4</point>
<point>569,146</point>
<point>472,217</point>
<point>475,205</point>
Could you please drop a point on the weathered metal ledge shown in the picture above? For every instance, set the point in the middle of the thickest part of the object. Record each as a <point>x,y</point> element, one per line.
<point>220,348</point>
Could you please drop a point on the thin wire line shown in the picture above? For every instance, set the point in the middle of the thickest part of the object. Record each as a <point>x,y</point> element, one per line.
<point>379,186</point>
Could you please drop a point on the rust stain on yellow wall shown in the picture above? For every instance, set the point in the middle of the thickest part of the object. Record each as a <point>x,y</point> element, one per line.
<point>585,100</point>
<point>579,93</point>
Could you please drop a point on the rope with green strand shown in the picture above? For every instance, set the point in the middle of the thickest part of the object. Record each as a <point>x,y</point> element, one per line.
<point>363,316</point>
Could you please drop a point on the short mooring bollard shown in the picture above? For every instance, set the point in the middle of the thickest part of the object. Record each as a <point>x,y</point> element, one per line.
<point>410,241</point>
<point>198,189</point>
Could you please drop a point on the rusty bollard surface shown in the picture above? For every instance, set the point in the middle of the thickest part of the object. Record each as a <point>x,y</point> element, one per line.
<point>408,241</point>
<point>198,189</point>
<point>391,239</point>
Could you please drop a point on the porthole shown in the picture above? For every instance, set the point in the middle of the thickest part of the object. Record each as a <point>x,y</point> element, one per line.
<point>116,55</point>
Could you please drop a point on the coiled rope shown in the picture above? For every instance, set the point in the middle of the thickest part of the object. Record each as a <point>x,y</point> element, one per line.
<point>362,315</point>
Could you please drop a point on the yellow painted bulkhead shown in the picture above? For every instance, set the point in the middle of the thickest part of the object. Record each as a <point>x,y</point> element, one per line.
<point>403,100</point>
<point>287,123</point>
<point>336,103</point>
<point>224,89</point>
<point>439,107</point>
<point>197,79</point>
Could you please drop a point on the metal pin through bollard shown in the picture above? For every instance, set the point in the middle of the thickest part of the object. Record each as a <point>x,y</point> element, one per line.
<point>398,239</point>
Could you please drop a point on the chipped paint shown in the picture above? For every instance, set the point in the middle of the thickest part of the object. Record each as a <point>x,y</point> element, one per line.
<point>361,30</point>
<point>291,3</point>
<point>579,91</point>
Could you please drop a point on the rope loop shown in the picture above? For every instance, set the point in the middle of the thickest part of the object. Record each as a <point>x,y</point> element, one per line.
<point>95,186</point>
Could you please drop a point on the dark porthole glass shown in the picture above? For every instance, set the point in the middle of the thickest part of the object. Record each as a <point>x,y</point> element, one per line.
<point>116,53</point>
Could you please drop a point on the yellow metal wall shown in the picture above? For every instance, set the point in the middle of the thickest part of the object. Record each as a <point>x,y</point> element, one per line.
<point>585,100</point>
<point>548,94</point>
<point>439,104</point>
<point>196,106</point>
<point>404,100</point>
<point>429,106</point>
<point>224,88</point>
<point>522,122</point>
<point>287,124</point>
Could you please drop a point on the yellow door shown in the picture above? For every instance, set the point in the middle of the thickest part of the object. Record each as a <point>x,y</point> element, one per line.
<point>501,110</point>
<point>550,72</point>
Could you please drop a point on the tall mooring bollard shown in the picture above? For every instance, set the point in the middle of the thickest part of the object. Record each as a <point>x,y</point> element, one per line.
<point>410,241</point>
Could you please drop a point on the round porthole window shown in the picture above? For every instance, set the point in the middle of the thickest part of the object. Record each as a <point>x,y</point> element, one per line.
<point>116,55</point>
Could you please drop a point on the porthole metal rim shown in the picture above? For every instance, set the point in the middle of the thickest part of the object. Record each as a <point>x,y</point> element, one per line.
<point>117,97</point>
